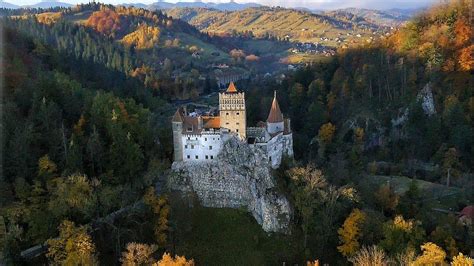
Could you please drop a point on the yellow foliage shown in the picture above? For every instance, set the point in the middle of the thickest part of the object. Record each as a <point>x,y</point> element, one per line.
<point>432,255</point>
<point>167,260</point>
<point>400,223</point>
<point>49,18</point>
<point>46,166</point>
<point>145,37</point>
<point>466,58</point>
<point>370,256</point>
<point>461,260</point>
<point>312,263</point>
<point>359,134</point>
<point>326,133</point>
<point>161,210</point>
<point>138,254</point>
<point>350,232</point>
<point>74,246</point>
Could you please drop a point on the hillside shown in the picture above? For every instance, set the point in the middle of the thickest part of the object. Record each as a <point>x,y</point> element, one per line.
<point>230,6</point>
<point>282,23</point>
<point>143,41</point>
<point>49,4</point>
<point>385,18</point>
<point>4,4</point>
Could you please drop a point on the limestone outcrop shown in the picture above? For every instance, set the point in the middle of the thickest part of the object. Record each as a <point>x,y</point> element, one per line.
<point>240,178</point>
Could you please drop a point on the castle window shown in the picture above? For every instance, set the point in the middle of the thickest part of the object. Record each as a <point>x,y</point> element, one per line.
<point>236,130</point>
<point>197,157</point>
<point>226,123</point>
<point>192,146</point>
<point>212,157</point>
<point>210,147</point>
<point>185,146</point>
<point>189,157</point>
<point>237,123</point>
<point>207,157</point>
<point>189,138</point>
<point>226,113</point>
<point>205,139</point>
<point>238,113</point>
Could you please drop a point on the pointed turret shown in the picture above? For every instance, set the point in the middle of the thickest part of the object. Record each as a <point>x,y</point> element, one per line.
<point>178,116</point>
<point>231,88</point>
<point>275,115</point>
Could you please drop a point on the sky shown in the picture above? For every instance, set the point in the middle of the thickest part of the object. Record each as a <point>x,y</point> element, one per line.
<point>312,4</point>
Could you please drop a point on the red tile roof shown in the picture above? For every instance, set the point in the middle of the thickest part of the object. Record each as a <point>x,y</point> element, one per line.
<point>275,115</point>
<point>468,211</point>
<point>178,116</point>
<point>231,88</point>
<point>212,122</point>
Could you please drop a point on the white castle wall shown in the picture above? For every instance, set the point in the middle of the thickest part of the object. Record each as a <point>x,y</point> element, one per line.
<point>278,147</point>
<point>201,147</point>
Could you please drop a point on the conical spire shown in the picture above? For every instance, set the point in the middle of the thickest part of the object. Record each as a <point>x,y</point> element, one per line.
<point>231,88</point>
<point>178,116</point>
<point>275,115</point>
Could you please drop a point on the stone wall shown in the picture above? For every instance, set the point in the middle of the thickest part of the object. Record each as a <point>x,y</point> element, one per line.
<point>240,177</point>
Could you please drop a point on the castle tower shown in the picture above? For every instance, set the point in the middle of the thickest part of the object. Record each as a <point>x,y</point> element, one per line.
<point>232,110</point>
<point>177,124</point>
<point>275,121</point>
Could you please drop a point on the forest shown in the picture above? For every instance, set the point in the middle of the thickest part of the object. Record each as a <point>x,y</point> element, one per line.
<point>383,139</point>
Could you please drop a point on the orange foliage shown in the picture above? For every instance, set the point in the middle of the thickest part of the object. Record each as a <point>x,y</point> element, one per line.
<point>466,60</point>
<point>105,21</point>
<point>463,32</point>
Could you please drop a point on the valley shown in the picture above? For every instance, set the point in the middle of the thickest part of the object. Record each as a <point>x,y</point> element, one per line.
<point>232,134</point>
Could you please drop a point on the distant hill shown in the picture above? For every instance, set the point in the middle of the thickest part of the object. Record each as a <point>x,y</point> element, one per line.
<point>48,4</point>
<point>8,5</point>
<point>231,6</point>
<point>297,25</point>
<point>382,18</point>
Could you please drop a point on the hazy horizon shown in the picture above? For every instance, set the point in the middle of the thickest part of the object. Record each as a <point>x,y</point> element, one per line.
<point>311,4</point>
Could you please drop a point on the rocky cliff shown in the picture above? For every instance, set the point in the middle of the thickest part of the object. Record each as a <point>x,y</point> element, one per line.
<point>240,177</point>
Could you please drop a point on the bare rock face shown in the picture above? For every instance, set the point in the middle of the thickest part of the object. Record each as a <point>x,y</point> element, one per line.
<point>240,177</point>
<point>427,100</point>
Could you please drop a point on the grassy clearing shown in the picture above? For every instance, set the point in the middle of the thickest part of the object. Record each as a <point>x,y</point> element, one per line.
<point>230,237</point>
<point>434,195</point>
<point>207,49</point>
<point>305,58</point>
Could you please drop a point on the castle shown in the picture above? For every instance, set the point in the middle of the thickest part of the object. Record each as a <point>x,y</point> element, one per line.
<point>200,137</point>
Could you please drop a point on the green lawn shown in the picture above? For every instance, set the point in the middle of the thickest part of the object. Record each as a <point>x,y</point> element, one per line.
<point>230,237</point>
<point>433,194</point>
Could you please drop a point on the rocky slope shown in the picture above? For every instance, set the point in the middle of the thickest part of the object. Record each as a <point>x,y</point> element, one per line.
<point>241,177</point>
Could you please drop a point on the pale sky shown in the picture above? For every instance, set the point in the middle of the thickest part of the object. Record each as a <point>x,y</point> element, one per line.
<point>312,4</point>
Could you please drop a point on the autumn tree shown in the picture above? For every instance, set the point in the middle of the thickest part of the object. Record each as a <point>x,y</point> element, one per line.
<point>326,133</point>
<point>160,208</point>
<point>350,232</point>
<point>105,21</point>
<point>401,234</point>
<point>74,246</point>
<point>138,254</point>
<point>144,37</point>
<point>431,255</point>
<point>370,256</point>
<point>462,260</point>
<point>168,260</point>
<point>386,198</point>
